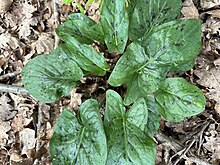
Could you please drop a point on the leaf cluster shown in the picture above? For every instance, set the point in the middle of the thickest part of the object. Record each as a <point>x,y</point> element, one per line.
<point>152,42</point>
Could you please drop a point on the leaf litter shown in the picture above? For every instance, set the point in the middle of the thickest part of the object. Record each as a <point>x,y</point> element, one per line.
<point>27,29</point>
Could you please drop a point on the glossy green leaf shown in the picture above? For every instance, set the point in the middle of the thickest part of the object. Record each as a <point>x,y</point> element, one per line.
<point>128,65</point>
<point>174,44</point>
<point>114,20</point>
<point>82,28</point>
<point>85,62</point>
<point>154,113</point>
<point>144,82</point>
<point>48,77</point>
<point>179,99</point>
<point>168,48</point>
<point>127,141</point>
<point>145,15</point>
<point>86,57</point>
<point>79,140</point>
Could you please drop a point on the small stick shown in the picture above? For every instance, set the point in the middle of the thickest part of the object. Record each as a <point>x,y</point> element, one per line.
<point>9,75</point>
<point>172,144</point>
<point>12,89</point>
<point>56,23</point>
<point>39,121</point>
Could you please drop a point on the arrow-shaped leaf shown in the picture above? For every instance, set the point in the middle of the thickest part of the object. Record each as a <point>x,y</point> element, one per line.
<point>145,15</point>
<point>48,77</point>
<point>127,141</point>
<point>168,48</point>
<point>179,99</point>
<point>114,21</point>
<point>80,140</point>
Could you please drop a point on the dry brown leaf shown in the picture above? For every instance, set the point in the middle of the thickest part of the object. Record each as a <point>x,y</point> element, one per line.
<point>3,155</point>
<point>189,10</point>
<point>44,44</point>
<point>6,110</point>
<point>20,121</point>
<point>27,139</point>
<point>212,143</point>
<point>8,42</point>
<point>4,128</point>
<point>4,5</point>
<point>211,79</point>
<point>207,4</point>
<point>75,101</point>
<point>15,157</point>
<point>25,27</point>
<point>28,8</point>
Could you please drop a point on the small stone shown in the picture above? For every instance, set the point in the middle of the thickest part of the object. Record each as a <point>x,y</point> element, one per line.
<point>4,6</point>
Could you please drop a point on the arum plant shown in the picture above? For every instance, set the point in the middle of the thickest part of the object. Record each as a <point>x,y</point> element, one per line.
<point>151,41</point>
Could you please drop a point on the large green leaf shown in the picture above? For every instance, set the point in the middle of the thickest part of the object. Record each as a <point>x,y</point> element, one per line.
<point>127,141</point>
<point>82,28</point>
<point>48,77</point>
<point>145,15</point>
<point>179,99</point>
<point>80,140</point>
<point>86,57</point>
<point>174,44</point>
<point>168,48</point>
<point>114,20</point>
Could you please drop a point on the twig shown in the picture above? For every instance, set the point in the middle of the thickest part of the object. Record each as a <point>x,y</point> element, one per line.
<point>9,75</point>
<point>39,121</point>
<point>182,151</point>
<point>185,150</point>
<point>171,143</point>
<point>12,89</point>
<point>200,136</point>
<point>56,23</point>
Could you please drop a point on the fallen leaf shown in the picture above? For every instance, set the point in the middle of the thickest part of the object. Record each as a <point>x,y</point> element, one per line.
<point>25,27</point>
<point>44,44</point>
<point>4,128</point>
<point>4,6</point>
<point>8,42</point>
<point>212,143</point>
<point>27,139</point>
<point>3,155</point>
<point>207,4</point>
<point>210,78</point>
<point>6,110</point>
<point>217,108</point>
<point>189,10</point>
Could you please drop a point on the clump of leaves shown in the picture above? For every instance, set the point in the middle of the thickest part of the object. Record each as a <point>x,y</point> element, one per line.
<point>152,42</point>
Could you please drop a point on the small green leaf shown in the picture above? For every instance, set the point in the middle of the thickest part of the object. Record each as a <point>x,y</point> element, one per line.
<point>86,57</point>
<point>145,82</point>
<point>80,140</point>
<point>179,99</point>
<point>145,15</point>
<point>82,28</point>
<point>67,1</point>
<point>128,64</point>
<point>114,20</point>
<point>154,113</point>
<point>48,77</point>
<point>127,141</point>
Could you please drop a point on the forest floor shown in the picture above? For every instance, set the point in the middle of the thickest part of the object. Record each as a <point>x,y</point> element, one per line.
<point>27,28</point>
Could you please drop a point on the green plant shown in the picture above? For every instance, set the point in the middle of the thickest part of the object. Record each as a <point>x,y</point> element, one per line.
<point>153,42</point>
